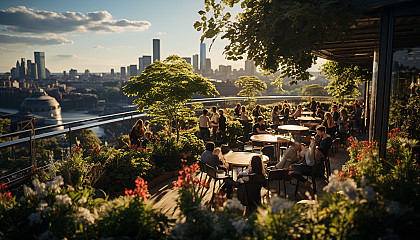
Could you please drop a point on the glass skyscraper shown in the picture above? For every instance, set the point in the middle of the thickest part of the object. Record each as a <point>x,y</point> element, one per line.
<point>156,50</point>
<point>40,64</point>
<point>203,58</point>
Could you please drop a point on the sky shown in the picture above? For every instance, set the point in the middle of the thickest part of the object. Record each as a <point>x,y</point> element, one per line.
<point>101,35</point>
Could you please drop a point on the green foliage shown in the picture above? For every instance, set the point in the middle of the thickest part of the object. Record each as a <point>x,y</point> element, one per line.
<point>251,86</point>
<point>314,90</point>
<point>277,35</point>
<point>345,79</point>
<point>234,130</point>
<point>4,126</point>
<point>86,137</point>
<point>110,94</point>
<point>129,218</point>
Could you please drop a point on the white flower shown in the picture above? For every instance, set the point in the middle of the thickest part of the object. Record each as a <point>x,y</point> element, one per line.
<point>40,188</point>
<point>240,225</point>
<point>63,200</point>
<point>364,181</point>
<point>83,215</point>
<point>28,191</point>
<point>82,200</point>
<point>54,185</point>
<point>46,235</point>
<point>394,208</point>
<point>349,188</point>
<point>368,193</point>
<point>278,204</point>
<point>35,218</point>
<point>43,207</point>
<point>233,204</point>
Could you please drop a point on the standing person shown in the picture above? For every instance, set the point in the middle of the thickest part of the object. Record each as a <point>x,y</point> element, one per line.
<point>136,133</point>
<point>329,124</point>
<point>312,106</point>
<point>222,126</point>
<point>256,112</point>
<point>245,120</point>
<point>214,122</point>
<point>238,110</point>
<point>204,122</point>
<point>335,114</point>
<point>275,114</point>
<point>285,112</point>
<point>244,114</point>
<point>298,112</point>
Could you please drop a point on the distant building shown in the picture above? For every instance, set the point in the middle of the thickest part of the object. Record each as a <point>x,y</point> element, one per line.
<point>112,72</point>
<point>64,73</point>
<point>17,69</point>
<point>22,70</point>
<point>141,68</point>
<point>146,61</point>
<point>73,73</point>
<point>40,64</point>
<point>34,71</point>
<point>208,66</point>
<point>195,62</point>
<point>156,50</point>
<point>133,70</point>
<point>123,73</point>
<point>187,59</point>
<point>202,58</point>
<point>249,67</point>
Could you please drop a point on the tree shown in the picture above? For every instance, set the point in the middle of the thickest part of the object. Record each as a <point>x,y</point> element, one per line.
<point>165,86</point>
<point>251,86</point>
<point>86,137</point>
<point>345,79</point>
<point>277,35</point>
<point>314,90</point>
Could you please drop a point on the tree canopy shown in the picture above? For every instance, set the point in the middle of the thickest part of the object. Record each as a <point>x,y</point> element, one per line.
<point>314,90</point>
<point>277,35</point>
<point>345,79</point>
<point>171,81</point>
<point>251,86</point>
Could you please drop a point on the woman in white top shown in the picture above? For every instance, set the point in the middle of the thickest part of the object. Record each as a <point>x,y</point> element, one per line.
<point>244,114</point>
<point>275,115</point>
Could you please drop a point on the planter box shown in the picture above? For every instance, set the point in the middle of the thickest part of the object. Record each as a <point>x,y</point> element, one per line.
<point>170,162</point>
<point>164,177</point>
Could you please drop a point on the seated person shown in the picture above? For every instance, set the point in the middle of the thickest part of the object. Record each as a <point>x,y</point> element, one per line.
<point>146,139</point>
<point>291,155</point>
<point>259,127</point>
<point>223,165</point>
<point>322,140</point>
<point>207,157</point>
<point>298,113</point>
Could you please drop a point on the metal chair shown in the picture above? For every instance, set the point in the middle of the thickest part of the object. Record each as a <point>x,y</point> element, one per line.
<point>216,176</point>
<point>317,171</point>
<point>271,153</point>
<point>253,184</point>
<point>278,175</point>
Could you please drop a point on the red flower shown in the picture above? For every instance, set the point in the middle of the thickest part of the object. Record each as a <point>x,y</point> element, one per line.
<point>141,189</point>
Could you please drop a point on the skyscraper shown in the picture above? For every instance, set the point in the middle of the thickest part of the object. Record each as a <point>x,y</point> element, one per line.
<point>156,50</point>
<point>22,71</point>
<point>187,59</point>
<point>249,67</point>
<point>147,60</point>
<point>141,68</point>
<point>202,58</point>
<point>133,70</point>
<point>112,72</point>
<point>123,74</point>
<point>28,68</point>
<point>195,62</point>
<point>208,66</point>
<point>40,64</point>
<point>34,72</point>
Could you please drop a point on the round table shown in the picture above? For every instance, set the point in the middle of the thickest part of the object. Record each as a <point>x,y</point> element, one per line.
<point>309,118</point>
<point>241,159</point>
<point>307,113</point>
<point>293,128</point>
<point>271,138</point>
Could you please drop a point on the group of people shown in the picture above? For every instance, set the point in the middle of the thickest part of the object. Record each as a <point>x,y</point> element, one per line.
<point>217,123</point>
<point>140,134</point>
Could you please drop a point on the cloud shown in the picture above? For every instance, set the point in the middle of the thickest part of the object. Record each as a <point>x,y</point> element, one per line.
<point>161,33</point>
<point>66,56</point>
<point>10,50</point>
<point>50,40</point>
<point>97,46</point>
<point>22,19</point>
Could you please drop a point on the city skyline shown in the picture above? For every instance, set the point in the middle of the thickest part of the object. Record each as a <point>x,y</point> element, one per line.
<point>101,35</point>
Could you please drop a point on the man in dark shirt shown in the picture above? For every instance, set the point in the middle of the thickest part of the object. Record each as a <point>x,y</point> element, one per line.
<point>312,106</point>
<point>222,126</point>
<point>259,127</point>
<point>238,110</point>
<point>335,114</point>
<point>323,141</point>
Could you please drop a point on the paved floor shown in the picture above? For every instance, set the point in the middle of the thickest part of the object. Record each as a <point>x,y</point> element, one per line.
<point>165,196</point>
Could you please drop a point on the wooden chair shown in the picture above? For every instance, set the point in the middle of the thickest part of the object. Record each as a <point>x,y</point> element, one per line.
<point>253,184</point>
<point>270,152</point>
<point>278,175</point>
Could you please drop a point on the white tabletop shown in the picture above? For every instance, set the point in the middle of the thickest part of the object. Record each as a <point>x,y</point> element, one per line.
<point>270,138</point>
<point>309,118</point>
<point>241,159</point>
<point>293,128</point>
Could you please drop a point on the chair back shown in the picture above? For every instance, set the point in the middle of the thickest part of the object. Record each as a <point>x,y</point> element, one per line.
<point>202,166</point>
<point>253,184</point>
<point>211,171</point>
<point>318,170</point>
<point>269,151</point>
<point>279,174</point>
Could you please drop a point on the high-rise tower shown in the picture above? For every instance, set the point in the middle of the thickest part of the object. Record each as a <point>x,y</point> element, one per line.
<point>202,58</point>
<point>195,62</point>
<point>40,64</point>
<point>156,50</point>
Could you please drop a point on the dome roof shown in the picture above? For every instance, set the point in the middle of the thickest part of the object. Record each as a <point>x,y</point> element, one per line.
<point>39,100</point>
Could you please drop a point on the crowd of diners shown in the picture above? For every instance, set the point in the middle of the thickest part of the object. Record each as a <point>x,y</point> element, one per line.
<point>299,157</point>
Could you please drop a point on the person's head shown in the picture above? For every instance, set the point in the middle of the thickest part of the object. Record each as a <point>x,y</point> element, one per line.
<point>343,113</point>
<point>238,105</point>
<point>243,109</point>
<point>285,101</point>
<point>210,146</point>
<point>205,112</point>
<point>213,109</point>
<point>258,107</point>
<point>148,135</point>
<point>327,115</point>
<point>312,99</point>
<point>320,130</point>
<point>300,107</point>
<point>256,165</point>
<point>285,106</point>
<point>139,124</point>
<point>334,108</point>
<point>221,112</point>
<point>146,123</point>
<point>276,108</point>
<point>318,104</point>
<point>260,120</point>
